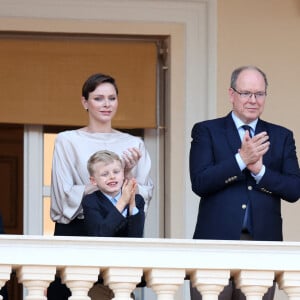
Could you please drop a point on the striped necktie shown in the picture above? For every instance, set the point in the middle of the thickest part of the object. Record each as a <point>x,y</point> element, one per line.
<point>247,127</point>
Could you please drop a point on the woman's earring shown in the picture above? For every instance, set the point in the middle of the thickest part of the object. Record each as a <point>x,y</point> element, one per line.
<point>87,109</point>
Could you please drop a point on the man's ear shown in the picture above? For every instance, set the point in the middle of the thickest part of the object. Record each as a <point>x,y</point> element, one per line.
<point>230,94</point>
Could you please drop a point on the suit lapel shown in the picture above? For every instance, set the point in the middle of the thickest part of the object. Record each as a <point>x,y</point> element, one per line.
<point>104,201</point>
<point>232,134</point>
<point>260,127</point>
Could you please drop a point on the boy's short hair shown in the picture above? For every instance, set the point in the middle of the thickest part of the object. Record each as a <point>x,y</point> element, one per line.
<point>104,156</point>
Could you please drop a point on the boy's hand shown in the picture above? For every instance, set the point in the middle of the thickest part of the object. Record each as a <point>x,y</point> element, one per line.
<point>128,194</point>
<point>133,191</point>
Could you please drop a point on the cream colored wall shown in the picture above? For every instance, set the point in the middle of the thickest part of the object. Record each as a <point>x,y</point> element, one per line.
<point>267,34</point>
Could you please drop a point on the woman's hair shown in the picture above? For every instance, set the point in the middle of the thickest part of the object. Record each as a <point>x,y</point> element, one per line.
<point>94,81</point>
<point>104,156</point>
<point>235,74</point>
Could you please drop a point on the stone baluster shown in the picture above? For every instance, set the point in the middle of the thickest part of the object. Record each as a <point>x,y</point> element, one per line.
<point>36,279</point>
<point>254,284</point>
<point>122,281</point>
<point>165,282</point>
<point>289,281</point>
<point>79,280</point>
<point>5,271</point>
<point>210,283</point>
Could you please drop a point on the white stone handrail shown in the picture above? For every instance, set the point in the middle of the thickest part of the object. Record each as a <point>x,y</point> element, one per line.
<point>165,263</point>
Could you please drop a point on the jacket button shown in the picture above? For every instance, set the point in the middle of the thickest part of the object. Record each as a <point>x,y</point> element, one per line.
<point>244,206</point>
<point>250,188</point>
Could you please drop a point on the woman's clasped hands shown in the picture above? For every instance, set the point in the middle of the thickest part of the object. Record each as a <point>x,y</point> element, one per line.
<point>130,158</point>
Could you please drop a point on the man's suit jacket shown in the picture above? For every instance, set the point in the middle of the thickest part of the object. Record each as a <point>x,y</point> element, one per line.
<point>225,190</point>
<point>101,217</point>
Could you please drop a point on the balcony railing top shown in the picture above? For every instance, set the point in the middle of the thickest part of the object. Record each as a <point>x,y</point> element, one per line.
<point>147,253</point>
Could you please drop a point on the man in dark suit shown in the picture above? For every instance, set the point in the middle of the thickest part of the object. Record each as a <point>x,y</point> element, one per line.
<point>242,173</point>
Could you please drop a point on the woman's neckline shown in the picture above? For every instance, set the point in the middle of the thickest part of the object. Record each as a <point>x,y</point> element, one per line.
<point>91,131</point>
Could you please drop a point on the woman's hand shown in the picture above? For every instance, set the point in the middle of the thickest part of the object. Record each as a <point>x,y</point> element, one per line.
<point>130,158</point>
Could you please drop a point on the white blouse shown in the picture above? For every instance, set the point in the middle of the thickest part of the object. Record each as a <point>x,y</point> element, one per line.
<point>72,150</point>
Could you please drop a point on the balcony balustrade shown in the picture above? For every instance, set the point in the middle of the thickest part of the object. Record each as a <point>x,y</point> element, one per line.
<point>164,263</point>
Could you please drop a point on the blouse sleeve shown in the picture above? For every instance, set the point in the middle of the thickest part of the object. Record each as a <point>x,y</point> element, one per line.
<point>67,186</point>
<point>142,175</point>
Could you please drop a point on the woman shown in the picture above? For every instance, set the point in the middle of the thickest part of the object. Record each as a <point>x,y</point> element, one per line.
<point>70,178</point>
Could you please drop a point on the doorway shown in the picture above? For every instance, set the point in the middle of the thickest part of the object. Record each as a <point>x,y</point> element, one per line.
<point>11,186</point>
<point>31,149</point>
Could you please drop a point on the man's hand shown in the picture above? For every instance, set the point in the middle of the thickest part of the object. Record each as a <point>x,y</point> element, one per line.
<point>256,167</point>
<point>253,149</point>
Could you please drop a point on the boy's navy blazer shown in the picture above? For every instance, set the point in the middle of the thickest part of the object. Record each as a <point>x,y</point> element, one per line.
<point>101,217</point>
<point>225,190</point>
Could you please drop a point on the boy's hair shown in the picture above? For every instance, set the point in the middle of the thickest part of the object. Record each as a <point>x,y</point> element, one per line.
<point>104,156</point>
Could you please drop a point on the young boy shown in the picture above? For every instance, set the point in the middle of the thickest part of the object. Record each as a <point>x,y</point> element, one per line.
<point>115,210</point>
